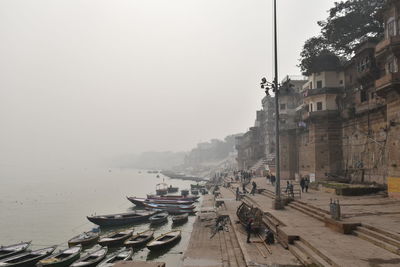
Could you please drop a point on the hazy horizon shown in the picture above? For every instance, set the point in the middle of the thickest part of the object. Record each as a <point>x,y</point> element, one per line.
<point>83,81</point>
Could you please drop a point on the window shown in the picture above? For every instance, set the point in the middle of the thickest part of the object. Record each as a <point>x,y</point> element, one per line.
<point>319,84</point>
<point>283,106</point>
<point>391,27</point>
<point>319,105</point>
<point>391,65</point>
<point>310,107</point>
<point>363,96</point>
<point>311,85</point>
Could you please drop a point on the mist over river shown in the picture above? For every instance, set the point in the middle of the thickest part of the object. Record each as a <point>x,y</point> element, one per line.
<point>50,206</point>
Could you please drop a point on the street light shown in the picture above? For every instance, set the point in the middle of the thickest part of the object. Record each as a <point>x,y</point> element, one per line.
<point>275,88</point>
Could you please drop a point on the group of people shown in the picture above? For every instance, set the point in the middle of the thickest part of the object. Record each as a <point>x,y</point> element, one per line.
<point>252,192</point>
<point>304,183</point>
<point>271,178</point>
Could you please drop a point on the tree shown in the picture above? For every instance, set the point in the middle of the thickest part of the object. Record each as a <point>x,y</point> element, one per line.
<point>312,48</point>
<point>348,24</point>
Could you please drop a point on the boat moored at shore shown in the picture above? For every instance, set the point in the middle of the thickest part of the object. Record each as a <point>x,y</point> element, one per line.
<point>10,250</point>
<point>121,218</point>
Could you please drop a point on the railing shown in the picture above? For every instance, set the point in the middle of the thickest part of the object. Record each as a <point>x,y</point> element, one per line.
<point>387,80</point>
<point>394,40</point>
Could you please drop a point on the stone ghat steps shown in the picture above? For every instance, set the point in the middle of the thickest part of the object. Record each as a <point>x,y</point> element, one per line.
<point>268,193</point>
<point>308,210</point>
<point>381,238</point>
<point>313,207</point>
<point>308,255</point>
<point>232,256</point>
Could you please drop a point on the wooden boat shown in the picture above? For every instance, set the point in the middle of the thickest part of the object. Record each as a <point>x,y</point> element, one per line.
<point>176,211</point>
<point>194,192</point>
<point>197,186</point>
<point>185,192</point>
<point>63,258</point>
<point>27,259</point>
<point>121,218</point>
<point>139,239</point>
<point>11,250</point>
<point>85,239</point>
<point>115,238</point>
<point>138,201</point>
<point>166,240</point>
<point>92,258</point>
<point>245,212</point>
<point>169,206</point>
<point>141,201</point>
<point>159,218</point>
<point>175,197</point>
<point>180,218</point>
<point>161,189</point>
<point>172,189</point>
<point>122,254</point>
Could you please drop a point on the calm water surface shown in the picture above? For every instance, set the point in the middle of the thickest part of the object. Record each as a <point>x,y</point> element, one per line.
<point>49,207</point>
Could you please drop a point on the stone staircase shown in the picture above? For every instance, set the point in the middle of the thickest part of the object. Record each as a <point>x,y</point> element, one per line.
<point>259,165</point>
<point>381,238</point>
<point>232,255</point>
<point>309,210</point>
<point>309,255</point>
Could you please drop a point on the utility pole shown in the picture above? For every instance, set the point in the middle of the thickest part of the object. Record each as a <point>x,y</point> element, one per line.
<point>277,204</point>
<point>275,88</point>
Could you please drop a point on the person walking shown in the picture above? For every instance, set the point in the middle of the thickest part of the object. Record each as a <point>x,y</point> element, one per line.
<point>249,228</point>
<point>237,194</point>
<point>302,184</point>
<point>254,188</point>
<point>290,190</point>
<point>287,187</point>
<point>244,188</point>
<point>273,178</point>
<point>306,184</point>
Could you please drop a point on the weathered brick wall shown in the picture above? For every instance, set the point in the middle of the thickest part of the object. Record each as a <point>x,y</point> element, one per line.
<point>364,147</point>
<point>288,154</point>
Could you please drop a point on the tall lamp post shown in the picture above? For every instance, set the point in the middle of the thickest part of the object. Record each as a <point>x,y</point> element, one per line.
<point>275,88</point>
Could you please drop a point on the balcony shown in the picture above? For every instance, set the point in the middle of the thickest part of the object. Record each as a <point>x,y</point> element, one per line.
<point>319,115</point>
<point>388,82</point>
<point>392,43</point>
<point>325,90</point>
<point>367,106</point>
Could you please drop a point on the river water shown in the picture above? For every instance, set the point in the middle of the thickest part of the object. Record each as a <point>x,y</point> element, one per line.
<point>50,206</point>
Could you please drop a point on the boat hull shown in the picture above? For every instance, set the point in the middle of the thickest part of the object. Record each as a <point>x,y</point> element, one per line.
<point>26,262</point>
<point>119,219</point>
<point>157,244</point>
<point>85,242</point>
<point>139,240</point>
<point>12,250</point>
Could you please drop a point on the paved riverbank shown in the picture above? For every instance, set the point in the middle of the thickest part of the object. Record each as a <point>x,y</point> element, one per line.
<point>306,233</point>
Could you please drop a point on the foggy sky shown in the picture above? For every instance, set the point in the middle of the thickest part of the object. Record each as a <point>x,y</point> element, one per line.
<point>91,79</point>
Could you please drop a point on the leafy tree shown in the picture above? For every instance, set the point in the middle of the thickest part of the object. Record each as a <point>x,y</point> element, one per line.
<point>348,24</point>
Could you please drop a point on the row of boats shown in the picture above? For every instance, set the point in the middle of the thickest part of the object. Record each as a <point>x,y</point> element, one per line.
<point>156,209</point>
<point>151,205</point>
<point>18,255</point>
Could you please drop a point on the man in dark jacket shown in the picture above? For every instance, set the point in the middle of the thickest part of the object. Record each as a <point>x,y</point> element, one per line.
<point>249,228</point>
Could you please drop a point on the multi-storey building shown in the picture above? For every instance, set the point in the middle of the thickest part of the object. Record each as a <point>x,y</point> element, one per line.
<point>319,133</point>
<point>344,121</point>
<point>289,99</point>
<point>387,86</point>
